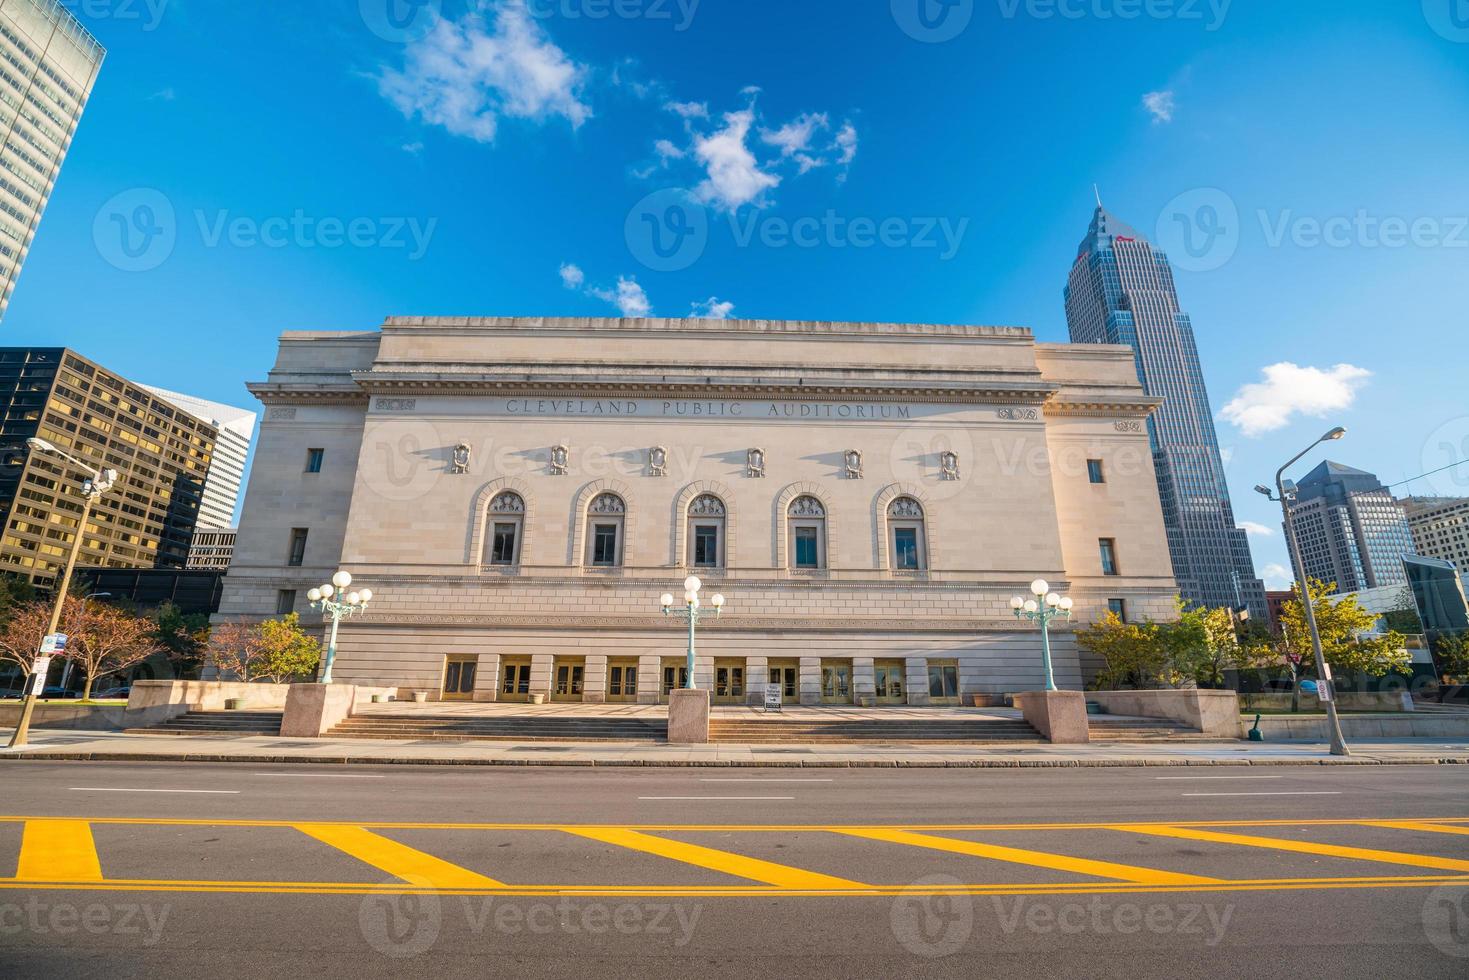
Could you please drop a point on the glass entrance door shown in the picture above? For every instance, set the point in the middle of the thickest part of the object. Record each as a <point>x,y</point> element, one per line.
<point>515,680</point>
<point>622,680</point>
<point>943,683</point>
<point>729,683</point>
<point>787,679</point>
<point>569,678</point>
<point>836,683</point>
<point>459,678</point>
<point>890,677</point>
<point>674,677</point>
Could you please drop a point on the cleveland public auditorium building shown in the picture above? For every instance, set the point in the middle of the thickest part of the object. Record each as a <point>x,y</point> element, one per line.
<point>519,492</point>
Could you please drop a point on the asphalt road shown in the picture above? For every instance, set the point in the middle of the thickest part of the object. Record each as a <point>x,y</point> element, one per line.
<point>190,870</point>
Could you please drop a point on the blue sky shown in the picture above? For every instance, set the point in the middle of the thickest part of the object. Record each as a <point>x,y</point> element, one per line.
<point>1303,161</point>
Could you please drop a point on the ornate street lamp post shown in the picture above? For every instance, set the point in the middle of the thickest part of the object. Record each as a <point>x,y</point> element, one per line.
<point>347,604</point>
<point>95,485</point>
<point>690,610</point>
<point>1045,607</point>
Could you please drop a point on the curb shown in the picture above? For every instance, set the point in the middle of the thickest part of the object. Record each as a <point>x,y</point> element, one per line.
<point>730,763</point>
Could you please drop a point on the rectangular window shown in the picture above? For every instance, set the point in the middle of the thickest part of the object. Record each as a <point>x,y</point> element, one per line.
<point>502,551</point>
<point>298,547</point>
<point>1118,607</point>
<point>905,546</point>
<point>604,545</point>
<point>314,458</point>
<point>807,553</point>
<point>1094,471</point>
<point>285,602</point>
<point>1109,555</point>
<point>706,546</point>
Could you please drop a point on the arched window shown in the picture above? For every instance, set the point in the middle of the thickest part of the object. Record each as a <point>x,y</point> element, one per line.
<point>606,518</point>
<point>706,532</point>
<point>507,528</point>
<point>807,520</point>
<point>907,544</point>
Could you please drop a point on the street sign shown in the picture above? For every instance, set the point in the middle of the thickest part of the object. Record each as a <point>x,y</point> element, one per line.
<point>1323,691</point>
<point>39,669</point>
<point>54,643</point>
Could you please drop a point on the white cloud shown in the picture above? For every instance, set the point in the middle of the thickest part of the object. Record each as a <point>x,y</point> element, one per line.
<point>465,75</point>
<point>1160,105</point>
<point>666,150</point>
<point>689,110</point>
<point>846,143</point>
<point>413,149</point>
<point>734,175</point>
<point>1256,530</point>
<point>1287,390</point>
<point>571,276</point>
<point>1277,577</point>
<point>629,297</point>
<point>795,136</point>
<point>712,309</point>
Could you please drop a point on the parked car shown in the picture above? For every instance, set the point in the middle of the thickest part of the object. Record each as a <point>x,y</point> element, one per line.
<point>113,694</point>
<point>12,693</point>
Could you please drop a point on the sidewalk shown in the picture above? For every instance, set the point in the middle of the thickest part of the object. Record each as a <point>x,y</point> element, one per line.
<point>91,746</point>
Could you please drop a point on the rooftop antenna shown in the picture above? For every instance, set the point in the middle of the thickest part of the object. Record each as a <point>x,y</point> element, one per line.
<point>1097,191</point>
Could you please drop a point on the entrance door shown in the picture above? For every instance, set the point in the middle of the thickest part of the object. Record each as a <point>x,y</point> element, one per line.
<point>674,678</point>
<point>788,679</point>
<point>890,678</point>
<point>943,682</point>
<point>836,682</point>
<point>622,680</point>
<point>567,680</point>
<point>729,682</point>
<point>459,675</point>
<point>515,680</point>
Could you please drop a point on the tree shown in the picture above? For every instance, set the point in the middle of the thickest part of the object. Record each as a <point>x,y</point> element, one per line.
<point>1403,617</point>
<point>182,636</point>
<point>1130,652</point>
<point>275,650</point>
<point>1344,627</point>
<point>15,591</point>
<point>106,640</point>
<point>22,633</point>
<point>1453,657</point>
<point>1200,645</point>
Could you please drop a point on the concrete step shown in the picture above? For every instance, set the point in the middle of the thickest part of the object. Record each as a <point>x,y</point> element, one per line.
<point>217,723</point>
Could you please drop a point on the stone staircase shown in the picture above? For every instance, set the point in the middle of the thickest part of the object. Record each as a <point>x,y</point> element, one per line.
<point>198,722</point>
<point>507,728</point>
<point>1142,730</point>
<point>932,731</point>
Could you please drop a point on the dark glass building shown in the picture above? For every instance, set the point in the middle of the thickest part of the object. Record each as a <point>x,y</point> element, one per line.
<point>162,456</point>
<point>1121,291</point>
<point>1350,529</point>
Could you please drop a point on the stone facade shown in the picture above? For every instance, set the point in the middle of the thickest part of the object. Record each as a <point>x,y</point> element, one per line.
<point>461,469</point>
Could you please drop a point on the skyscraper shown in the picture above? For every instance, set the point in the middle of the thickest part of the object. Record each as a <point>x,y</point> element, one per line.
<point>48,63</point>
<point>227,471</point>
<point>1440,528</point>
<point>1350,529</point>
<point>1121,291</point>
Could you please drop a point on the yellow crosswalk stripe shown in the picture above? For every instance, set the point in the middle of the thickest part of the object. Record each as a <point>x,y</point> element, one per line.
<point>1433,828</point>
<point>707,857</point>
<point>58,850</point>
<point>1038,859</point>
<point>396,859</point>
<point>1302,847</point>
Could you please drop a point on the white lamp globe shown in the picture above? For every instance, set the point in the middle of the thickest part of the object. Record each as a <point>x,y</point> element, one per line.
<point>692,584</point>
<point>327,591</point>
<point>1040,587</point>
<point>718,601</point>
<point>1067,603</point>
<point>667,601</point>
<point>694,602</point>
<point>314,595</point>
<point>1053,600</point>
<point>1031,605</point>
<point>1017,603</point>
<point>341,580</point>
<point>366,595</point>
<point>354,598</point>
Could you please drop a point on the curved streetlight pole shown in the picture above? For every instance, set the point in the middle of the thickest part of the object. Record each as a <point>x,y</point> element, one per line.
<point>690,610</point>
<point>95,485</point>
<point>1333,722</point>
<point>347,605</point>
<point>1045,607</point>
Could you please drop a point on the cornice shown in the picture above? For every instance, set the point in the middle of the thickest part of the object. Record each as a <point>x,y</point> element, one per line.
<point>657,624</point>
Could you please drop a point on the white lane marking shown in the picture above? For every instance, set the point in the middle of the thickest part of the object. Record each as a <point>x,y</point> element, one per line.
<point>760,780</point>
<point>130,789</point>
<point>1218,777</point>
<point>716,797</point>
<point>323,775</point>
<point>1313,792</point>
